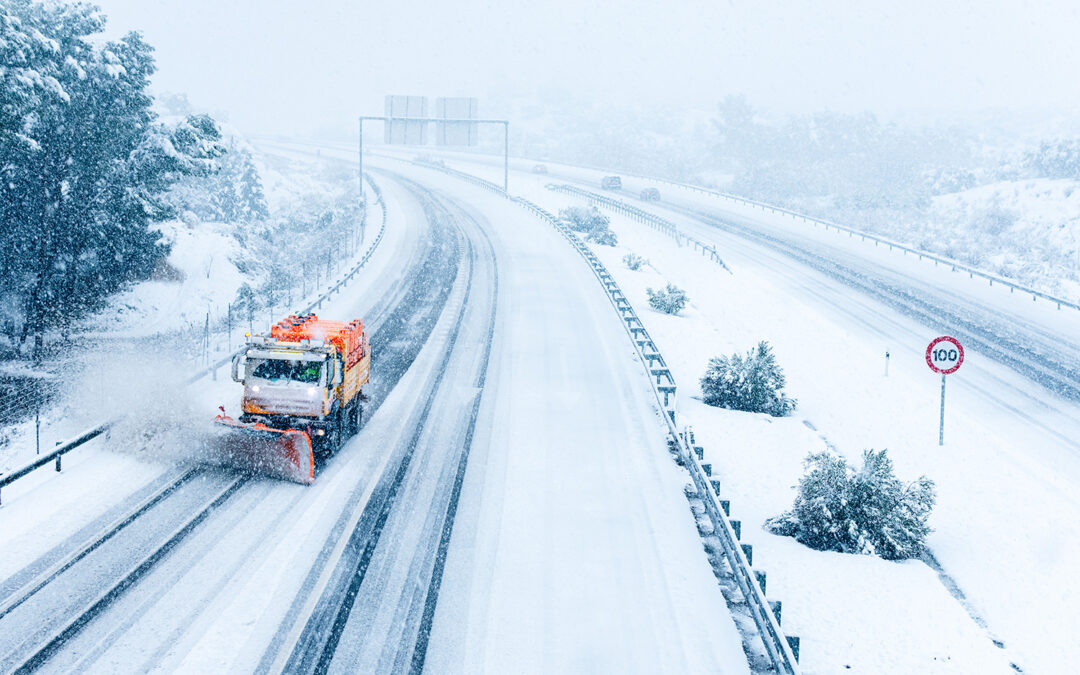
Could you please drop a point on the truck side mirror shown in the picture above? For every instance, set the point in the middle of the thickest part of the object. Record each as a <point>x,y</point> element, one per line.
<point>237,359</point>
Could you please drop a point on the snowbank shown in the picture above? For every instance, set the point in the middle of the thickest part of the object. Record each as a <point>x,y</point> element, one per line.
<point>200,276</point>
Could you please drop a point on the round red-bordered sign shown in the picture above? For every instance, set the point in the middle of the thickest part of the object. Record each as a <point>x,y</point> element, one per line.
<point>945,358</point>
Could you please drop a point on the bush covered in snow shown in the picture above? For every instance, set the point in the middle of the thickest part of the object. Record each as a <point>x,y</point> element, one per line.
<point>584,220</point>
<point>590,222</point>
<point>752,383</point>
<point>669,300</point>
<point>633,261</point>
<point>868,511</point>
<point>602,236</point>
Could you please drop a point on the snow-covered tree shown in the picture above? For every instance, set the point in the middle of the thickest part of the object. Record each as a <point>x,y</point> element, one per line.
<point>1057,159</point>
<point>867,511</point>
<point>83,162</point>
<point>752,383</point>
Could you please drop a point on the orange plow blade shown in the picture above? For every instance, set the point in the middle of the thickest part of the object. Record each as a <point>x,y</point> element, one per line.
<point>282,453</point>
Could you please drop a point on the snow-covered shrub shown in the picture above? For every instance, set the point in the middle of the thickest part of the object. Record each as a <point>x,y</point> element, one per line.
<point>584,220</point>
<point>602,236</point>
<point>752,383</point>
<point>669,300</point>
<point>868,511</point>
<point>590,222</point>
<point>633,261</point>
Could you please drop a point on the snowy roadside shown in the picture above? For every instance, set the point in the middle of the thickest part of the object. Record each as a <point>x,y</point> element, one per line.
<point>153,336</point>
<point>852,612</point>
<point>165,430</point>
<point>999,228</point>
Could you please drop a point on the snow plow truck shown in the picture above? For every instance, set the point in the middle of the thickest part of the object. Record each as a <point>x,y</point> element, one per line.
<point>303,395</point>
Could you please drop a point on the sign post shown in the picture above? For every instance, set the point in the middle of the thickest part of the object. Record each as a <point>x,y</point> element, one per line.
<point>944,355</point>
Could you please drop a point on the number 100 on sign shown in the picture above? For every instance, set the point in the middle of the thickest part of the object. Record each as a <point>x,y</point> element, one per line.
<point>944,355</point>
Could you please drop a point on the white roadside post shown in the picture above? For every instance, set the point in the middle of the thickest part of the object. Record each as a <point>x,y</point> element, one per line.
<point>944,355</point>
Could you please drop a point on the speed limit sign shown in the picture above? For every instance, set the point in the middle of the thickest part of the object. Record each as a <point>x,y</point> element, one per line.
<point>944,355</point>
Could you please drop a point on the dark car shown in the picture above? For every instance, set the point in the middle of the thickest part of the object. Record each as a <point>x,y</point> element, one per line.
<point>540,169</point>
<point>611,183</point>
<point>650,195</point>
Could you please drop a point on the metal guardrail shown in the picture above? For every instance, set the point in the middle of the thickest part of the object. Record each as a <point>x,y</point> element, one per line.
<point>865,236</point>
<point>781,649</point>
<point>61,449</point>
<point>642,216</point>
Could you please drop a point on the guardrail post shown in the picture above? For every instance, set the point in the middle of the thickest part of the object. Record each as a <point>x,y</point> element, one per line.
<point>760,576</point>
<point>793,642</point>
<point>777,607</point>
<point>748,551</point>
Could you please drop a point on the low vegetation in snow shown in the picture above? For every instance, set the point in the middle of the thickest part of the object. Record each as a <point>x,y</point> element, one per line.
<point>867,511</point>
<point>633,261</point>
<point>751,383</point>
<point>589,221</point>
<point>669,300</point>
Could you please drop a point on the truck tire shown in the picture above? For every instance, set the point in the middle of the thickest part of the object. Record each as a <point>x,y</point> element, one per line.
<point>355,417</point>
<point>328,443</point>
<point>337,431</point>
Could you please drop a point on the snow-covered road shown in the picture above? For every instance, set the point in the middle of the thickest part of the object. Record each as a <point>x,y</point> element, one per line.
<point>1007,475</point>
<point>202,574</point>
<point>572,545</point>
<point>574,550</point>
<point>833,305</point>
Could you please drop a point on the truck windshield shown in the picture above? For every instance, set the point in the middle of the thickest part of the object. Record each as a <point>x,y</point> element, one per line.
<point>297,371</point>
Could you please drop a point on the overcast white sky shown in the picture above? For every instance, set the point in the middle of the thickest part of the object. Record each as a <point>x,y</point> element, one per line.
<point>280,66</point>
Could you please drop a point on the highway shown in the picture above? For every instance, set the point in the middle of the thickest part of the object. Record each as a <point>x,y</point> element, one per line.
<point>197,568</point>
<point>833,305</point>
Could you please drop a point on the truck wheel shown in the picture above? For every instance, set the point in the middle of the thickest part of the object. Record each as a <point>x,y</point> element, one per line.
<point>355,417</point>
<point>337,431</point>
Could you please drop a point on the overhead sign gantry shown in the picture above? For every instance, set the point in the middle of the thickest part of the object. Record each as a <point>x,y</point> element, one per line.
<point>406,120</point>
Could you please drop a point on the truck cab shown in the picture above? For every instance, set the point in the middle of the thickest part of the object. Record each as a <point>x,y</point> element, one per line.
<point>306,375</point>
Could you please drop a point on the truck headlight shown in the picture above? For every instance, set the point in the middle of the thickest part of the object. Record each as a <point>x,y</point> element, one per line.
<point>311,391</point>
<point>255,388</point>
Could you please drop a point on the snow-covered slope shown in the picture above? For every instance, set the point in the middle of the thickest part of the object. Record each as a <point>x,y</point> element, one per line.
<point>200,276</point>
<point>1028,230</point>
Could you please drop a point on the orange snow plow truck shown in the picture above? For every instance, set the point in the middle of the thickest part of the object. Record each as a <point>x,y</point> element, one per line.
<point>303,394</point>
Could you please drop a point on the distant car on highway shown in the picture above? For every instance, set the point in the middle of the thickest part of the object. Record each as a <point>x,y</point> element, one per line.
<point>611,183</point>
<point>429,160</point>
<point>650,195</point>
<point>540,169</point>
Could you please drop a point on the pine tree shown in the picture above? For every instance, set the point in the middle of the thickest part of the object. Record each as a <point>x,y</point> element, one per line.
<point>84,162</point>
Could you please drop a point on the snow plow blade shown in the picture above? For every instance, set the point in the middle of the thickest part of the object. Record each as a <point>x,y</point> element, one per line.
<point>282,453</point>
